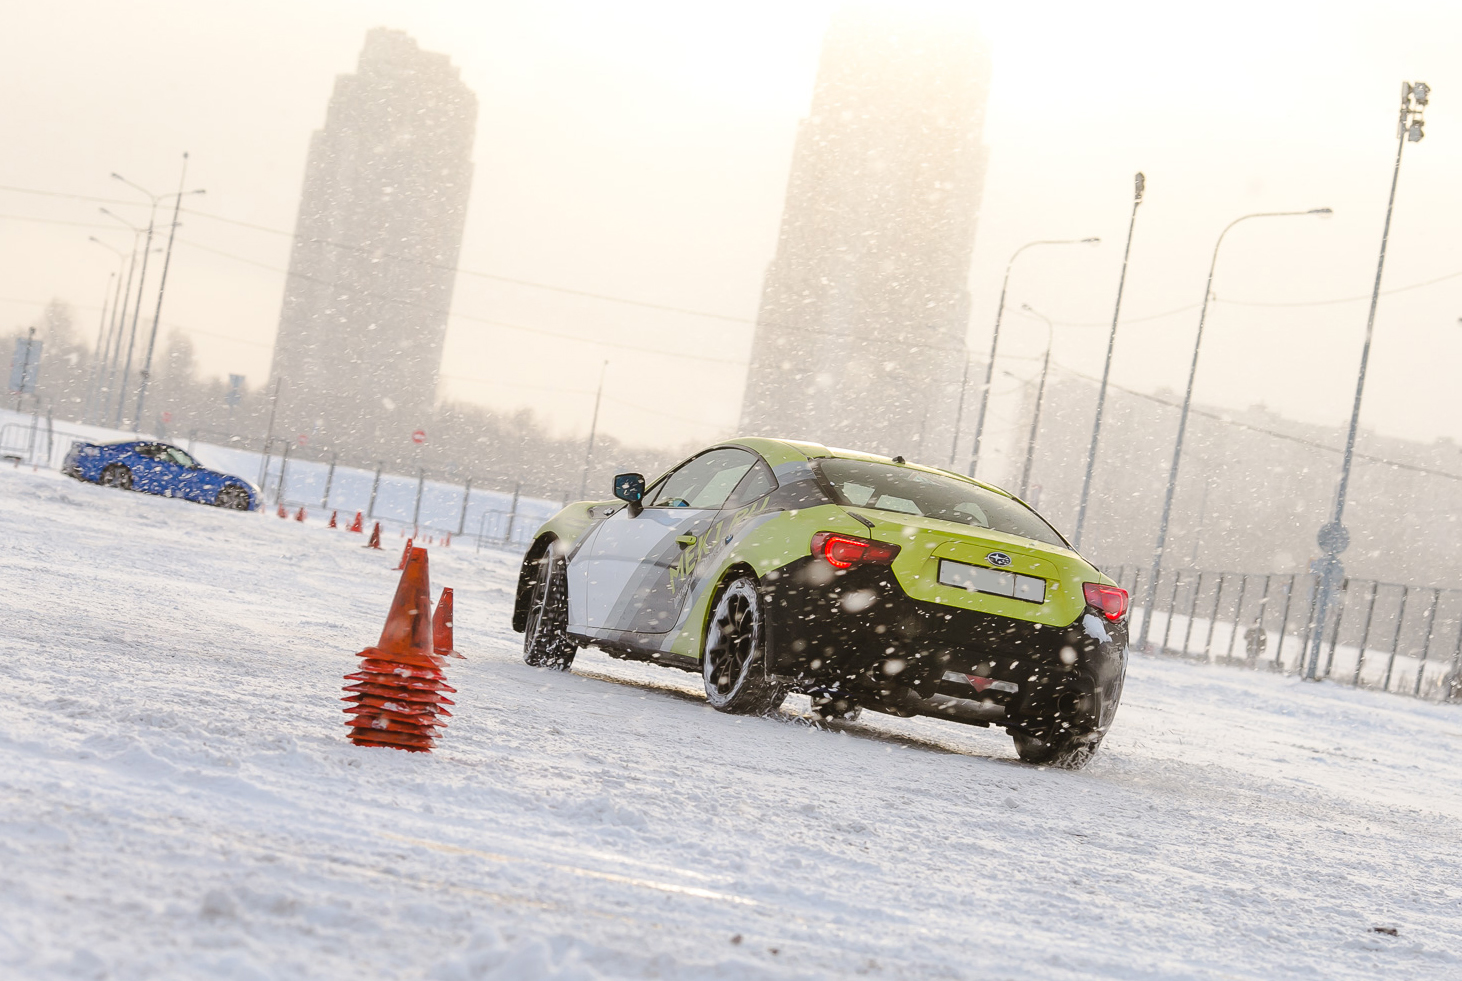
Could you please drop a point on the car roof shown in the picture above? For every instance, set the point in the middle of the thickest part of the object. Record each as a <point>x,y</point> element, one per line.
<point>139,442</point>
<point>776,451</point>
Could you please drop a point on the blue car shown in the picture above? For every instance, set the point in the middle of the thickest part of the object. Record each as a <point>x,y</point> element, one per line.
<point>157,468</point>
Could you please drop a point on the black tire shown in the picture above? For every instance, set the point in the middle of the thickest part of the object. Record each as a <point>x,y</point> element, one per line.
<point>1070,751</point>
<point>734,658</point>
<point>232,497</point>
<point>117,475</point>
<point>546,643</point>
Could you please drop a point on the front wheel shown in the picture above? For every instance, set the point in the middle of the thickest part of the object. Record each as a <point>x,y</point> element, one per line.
<point>1070,751</point>
<point>233,497</point>
<point>733,665</point>
<point>117,475</point>
<point>546,643</point>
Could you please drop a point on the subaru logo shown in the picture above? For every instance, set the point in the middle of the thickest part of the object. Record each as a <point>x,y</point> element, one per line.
<point>998,559</point>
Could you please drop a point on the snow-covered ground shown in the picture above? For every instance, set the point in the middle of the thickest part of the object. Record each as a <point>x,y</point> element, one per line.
<point>178,798</point>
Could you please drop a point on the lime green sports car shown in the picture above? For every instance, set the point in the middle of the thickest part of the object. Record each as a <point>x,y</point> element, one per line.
<point>772,566</point>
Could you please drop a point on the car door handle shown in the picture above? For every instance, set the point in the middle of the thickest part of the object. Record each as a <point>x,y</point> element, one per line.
<point>685,541</point>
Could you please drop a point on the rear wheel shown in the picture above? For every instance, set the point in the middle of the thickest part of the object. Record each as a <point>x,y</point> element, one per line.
<point>233,497</point>
<point>1069,751</point>
<point>733,665</point>
<point>117,475</point>
<point>546,643</point>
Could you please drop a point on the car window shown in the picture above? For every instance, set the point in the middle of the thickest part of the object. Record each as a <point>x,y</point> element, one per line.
<point>180,458</point>
<point>757,483</point>
<point>885,487</point>
<point>704,482</point>
<point>150,450</point>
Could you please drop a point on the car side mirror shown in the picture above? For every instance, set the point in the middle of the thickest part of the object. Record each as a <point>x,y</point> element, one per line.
<point>629,487</point>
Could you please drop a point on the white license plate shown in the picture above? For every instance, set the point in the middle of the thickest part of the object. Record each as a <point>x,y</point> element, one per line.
<point>978,579</point>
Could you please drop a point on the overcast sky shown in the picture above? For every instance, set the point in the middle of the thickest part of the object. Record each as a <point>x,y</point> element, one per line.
<point>640,151</point>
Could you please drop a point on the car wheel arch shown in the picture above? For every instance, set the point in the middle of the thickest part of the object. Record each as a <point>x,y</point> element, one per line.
<point>525,578</point>
<point>734,571</point>
<point>223,490</point>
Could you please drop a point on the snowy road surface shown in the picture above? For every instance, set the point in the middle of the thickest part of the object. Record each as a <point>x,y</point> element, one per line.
<point>178,799</point>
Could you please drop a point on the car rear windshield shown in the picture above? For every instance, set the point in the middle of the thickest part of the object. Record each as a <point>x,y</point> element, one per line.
<point>885,487</point>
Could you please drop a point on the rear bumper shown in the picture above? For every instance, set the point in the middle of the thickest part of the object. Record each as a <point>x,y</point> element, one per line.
<point>858,633</point>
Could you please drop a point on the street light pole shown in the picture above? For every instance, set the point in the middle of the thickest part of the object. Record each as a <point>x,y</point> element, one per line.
<point>97,398</point>
<point>1139,185</point>
<point>1030,445</point>
<point>1167,507</point>
<point>959,412</point>
<point>1333,537</point>
<point>161,286</point>
<point>108,295</point>
<point>593,429</point>
<point>119,326</point>
<point>137,306</point>
<point>995,341</point>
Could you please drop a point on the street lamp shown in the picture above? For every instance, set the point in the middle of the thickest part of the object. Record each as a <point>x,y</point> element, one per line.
<point>146,371</point>
<point>137,234</point>
<point>1167,507</point>
<point>593,430</point>
<point>104,332</point>
<point>1139,183</point>
<point>1030,445</point>
<point>994,342</point>
<point>1333,538</point>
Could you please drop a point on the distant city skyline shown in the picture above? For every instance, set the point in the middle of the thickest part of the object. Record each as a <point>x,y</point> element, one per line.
<point>372,268</point>
<point>860,339</point>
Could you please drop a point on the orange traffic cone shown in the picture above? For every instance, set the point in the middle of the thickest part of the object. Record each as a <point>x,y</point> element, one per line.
<point>399,692</point>
<point>356,525</point>
<point>375,541</point>
<point>441,626</point>
<point>300,514</point>
<point>332,523</point>
<point>281,511</point>
<point>447,541</point>
<point>405,555</point>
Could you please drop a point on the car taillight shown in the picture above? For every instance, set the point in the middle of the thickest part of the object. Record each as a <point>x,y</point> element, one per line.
<point>1111,600</point>
<point>845,551</point>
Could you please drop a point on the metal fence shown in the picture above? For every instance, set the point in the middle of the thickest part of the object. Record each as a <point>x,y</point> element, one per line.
<point>1383,636</point>
<point>31,443</point>
<point>422,504</point>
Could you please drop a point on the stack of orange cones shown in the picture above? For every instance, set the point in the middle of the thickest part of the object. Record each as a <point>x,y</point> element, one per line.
<point>332,523</point>
<point>281,510</point>
<point>447,541</point>
<point>399,694</point>
<point>356,525</point>
<point>300,514</point>
<point>375,541</point>
<point>441,627</point>
<point>405,556</point>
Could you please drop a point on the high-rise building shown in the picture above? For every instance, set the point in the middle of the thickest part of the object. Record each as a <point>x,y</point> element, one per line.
<point>376,243</point>
<point>860,338</point>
